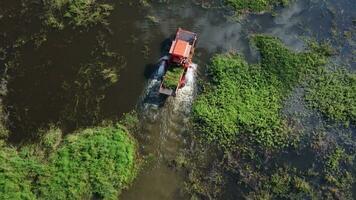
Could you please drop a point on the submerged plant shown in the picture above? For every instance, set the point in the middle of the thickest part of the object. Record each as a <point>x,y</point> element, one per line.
<point>77,12</point>
<point>255,5</point>
<point>87,89</point>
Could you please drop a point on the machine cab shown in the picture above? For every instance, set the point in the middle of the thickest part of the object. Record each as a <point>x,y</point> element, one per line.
<point>182,48</point>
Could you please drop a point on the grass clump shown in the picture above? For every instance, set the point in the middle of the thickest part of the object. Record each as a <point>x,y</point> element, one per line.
<point>51,140</point>
<point>131,121</point>
<point>243,101</point>
<point>96,162</point>
<point>255,5</point>
<point>171,78</point>
<point>334,94</point>
<point>285,183</point>
<point>17,174</point>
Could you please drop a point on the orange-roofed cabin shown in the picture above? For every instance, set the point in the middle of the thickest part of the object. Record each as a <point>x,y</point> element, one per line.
<point>182,48</point>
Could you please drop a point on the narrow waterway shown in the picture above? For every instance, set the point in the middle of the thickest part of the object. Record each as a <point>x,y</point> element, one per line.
<point>164,128</point>
<point>164,121</point>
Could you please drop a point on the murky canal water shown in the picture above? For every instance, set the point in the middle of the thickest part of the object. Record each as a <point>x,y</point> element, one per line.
<point>218,33</point>
<point>141,36</point>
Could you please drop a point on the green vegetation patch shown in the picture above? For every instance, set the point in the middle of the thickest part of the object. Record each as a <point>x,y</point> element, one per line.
<point>17,174</point>
<point>76,12</point>
<point>243,101</point>
<point>255,5</point>
<point>172,76</point>
<point>328,177</point>
<point>96,162</point>
<point>261,156</point>
<point>334,94</point>
<point>321,168</point>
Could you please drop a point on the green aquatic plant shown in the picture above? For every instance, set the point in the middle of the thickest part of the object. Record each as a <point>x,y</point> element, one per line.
<point>334,94</point>
<point>327,176</point>
<point>332,161</point>
<point>284,183</point>
<point>239,112</point>
<point>242,102</point>
<point>82,13</point>
<point>337,164</point>
<point>131,121</point>
<point>237,103</point>
<point>85,92</point>
<point>255,5</point>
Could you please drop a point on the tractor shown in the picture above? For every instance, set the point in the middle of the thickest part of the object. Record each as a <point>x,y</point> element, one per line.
<point>176,64</point>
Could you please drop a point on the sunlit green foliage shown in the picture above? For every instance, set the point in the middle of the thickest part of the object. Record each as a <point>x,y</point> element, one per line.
<point>99,161</point>
<point>17,174</point>
<point>171,78</point>
<point>96,162</point>
<point>51,140</point>
<point>255,5</point>
<point>334,94</point>
<point>244,101</point>
<point>240,101</point>
<point>76,12</point>
<point>333,159</point>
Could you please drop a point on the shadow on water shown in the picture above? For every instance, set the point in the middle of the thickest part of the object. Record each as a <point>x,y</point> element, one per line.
<point>150,69</point>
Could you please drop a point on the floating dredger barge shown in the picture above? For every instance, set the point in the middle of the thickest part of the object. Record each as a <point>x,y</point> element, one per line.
<point>175,65</point>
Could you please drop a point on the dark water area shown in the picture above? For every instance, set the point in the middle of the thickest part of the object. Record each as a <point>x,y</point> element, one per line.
<point>140,35</point>
<point>35,91</point>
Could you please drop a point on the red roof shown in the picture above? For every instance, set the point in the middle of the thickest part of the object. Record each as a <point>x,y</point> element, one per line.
<point>180,48</point>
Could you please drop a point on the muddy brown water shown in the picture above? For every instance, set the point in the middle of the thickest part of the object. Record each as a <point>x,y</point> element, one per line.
<point>140,35</point>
